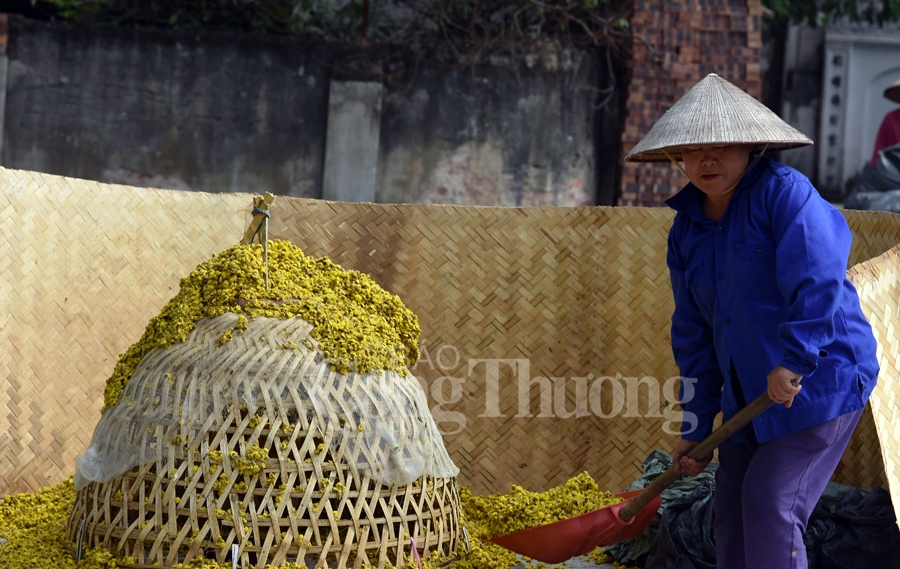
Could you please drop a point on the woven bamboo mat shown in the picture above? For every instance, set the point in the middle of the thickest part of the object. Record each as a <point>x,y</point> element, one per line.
<point>873,233</point>
<point>83,266</point>
<point>878,283</point>
<point>533,285</point>
<point>576,294</point>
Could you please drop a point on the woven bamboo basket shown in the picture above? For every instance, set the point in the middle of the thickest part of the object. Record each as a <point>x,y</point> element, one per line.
<point>318,512</point>
<point>243,442</point>
<point>570,291</point>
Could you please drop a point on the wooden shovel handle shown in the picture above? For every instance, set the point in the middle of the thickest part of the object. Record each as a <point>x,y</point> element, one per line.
<point>710,443</point>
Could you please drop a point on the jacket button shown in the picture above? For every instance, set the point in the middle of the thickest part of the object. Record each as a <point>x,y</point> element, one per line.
<point>728,321</point>
<point>759,251</point>
<point>721,275</point>
<point>721,229</point>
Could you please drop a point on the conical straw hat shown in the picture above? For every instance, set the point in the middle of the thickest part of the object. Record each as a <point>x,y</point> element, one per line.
<point>715,112</point>
<point>892,91</point>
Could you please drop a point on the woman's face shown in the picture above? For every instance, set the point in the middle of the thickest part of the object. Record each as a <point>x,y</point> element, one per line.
<point>716,169</point>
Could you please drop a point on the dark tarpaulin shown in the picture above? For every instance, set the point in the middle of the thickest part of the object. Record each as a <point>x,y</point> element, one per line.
<point>878,188</point>
<point>849,528</point>
<point>634,551</point>
<point>685,538</point>
<point>857,531</point>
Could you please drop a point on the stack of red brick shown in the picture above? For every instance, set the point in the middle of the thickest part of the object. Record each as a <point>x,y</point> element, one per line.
<point>4,33</point>
<point>677,43</point>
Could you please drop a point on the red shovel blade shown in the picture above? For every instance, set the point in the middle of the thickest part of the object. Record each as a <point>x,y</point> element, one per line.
<point>560,541</point>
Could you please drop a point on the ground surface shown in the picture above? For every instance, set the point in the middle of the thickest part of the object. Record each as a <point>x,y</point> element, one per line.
<point>576,563</point>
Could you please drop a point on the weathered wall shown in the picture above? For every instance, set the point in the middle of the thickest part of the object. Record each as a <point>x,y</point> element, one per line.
<point>244,113</point>
<point>504,134</point>
<point>218,113</point>
<point>677,43</point>
<point>228,113</point>
<point>4,66</point>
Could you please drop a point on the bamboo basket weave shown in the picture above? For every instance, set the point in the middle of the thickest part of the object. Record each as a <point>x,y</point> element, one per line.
<point>329,515</point>
<point>878,283</point>
<point>254,449</point>
<point>571,291</point>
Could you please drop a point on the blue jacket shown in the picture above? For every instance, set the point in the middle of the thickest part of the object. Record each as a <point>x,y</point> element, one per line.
<point>767,286</point>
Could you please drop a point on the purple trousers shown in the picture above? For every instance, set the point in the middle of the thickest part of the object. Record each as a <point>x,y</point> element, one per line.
<point>766,492</point>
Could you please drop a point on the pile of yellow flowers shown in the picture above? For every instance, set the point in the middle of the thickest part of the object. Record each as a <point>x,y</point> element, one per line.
<point>520,509</point>
<point>499,514</point>
<point>358,325</point>
<point>34,527</point>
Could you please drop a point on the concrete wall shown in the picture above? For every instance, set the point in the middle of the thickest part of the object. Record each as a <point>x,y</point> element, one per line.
<point>217,113</point>
<point>505,134</point>
<point>240,113</point>
<point>351,148</point>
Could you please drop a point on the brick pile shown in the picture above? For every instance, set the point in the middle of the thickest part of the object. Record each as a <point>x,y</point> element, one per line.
<point>4,33</point>
<point>677,43</point>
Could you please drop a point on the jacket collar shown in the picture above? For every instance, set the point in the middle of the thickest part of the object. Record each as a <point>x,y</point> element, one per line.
<point>690,199</point>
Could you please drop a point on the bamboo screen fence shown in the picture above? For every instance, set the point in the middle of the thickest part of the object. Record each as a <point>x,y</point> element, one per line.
<point>577,294</point>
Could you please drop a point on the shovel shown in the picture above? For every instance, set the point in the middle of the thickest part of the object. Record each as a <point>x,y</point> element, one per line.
<point>559,541</point>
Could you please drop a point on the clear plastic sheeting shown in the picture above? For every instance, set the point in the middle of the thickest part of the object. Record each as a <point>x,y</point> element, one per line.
<point>378,422</point>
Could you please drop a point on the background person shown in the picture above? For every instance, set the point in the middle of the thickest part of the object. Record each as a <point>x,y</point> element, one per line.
<point>889,132</point>
<point>758,266</point>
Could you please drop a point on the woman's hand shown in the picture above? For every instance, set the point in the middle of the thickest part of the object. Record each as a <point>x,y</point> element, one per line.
<point>781,390</point>
<point>685,465</point>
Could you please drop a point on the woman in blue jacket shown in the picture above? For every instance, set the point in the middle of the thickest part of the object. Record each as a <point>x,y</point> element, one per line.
<point>758,266</point>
